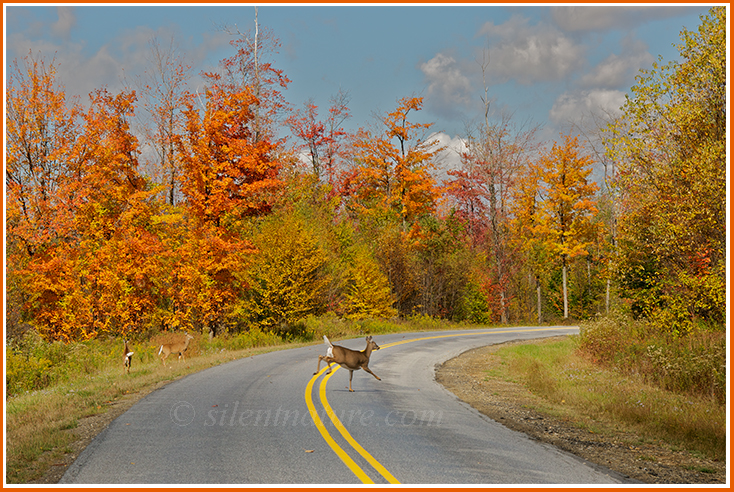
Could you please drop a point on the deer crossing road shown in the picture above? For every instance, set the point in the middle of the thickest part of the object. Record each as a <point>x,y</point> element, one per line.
<point>268,420</point>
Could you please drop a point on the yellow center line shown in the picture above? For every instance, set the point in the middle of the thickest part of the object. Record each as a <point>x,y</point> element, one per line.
<point>327,437</point>
<point>343,430</point>
<point>346,435</point>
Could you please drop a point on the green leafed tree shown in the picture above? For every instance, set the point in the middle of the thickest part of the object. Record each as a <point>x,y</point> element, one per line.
<point>670,146</point>
<point>288,280</point>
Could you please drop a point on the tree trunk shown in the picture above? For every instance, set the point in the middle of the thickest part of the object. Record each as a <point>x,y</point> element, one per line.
<point>565,290</point>
<point>540,316</point>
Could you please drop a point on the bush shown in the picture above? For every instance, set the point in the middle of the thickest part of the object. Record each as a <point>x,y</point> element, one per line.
<point>693,363</point>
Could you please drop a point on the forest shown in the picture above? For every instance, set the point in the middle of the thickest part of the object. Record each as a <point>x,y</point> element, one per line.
<point>227,210</point>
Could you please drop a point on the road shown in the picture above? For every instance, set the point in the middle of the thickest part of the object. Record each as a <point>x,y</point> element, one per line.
<point>267,420</point>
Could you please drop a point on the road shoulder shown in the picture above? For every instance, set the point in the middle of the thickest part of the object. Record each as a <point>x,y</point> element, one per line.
<point>516,408</point>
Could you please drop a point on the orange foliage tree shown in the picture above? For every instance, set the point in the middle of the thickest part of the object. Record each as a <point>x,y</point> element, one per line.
<point>394,169</point>
<point>228,176</point>
<point>568,205</point>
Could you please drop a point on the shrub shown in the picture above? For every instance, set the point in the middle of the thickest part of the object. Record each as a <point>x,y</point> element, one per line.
<point>693,363</point>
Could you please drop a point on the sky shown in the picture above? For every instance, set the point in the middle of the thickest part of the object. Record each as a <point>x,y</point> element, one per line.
<point>552,66</point>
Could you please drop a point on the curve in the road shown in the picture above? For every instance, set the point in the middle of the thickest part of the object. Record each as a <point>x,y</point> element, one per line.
<point>343,455</point>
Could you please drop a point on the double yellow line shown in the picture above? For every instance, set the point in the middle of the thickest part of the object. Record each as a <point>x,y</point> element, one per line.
<point>343,455</point>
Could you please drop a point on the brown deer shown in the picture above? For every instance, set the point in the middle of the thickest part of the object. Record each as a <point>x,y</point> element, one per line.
<point>128,358</point>
<point>174,348</point>
<point>348,358</point>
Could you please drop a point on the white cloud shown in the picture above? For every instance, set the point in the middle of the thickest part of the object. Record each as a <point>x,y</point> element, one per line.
<point>619,70</point>
<point>530,54</point>
<point>67,20</point>
<point>115,64</point>
<point>572,107</point>
<point>449,158</point>
<point>448,86</point>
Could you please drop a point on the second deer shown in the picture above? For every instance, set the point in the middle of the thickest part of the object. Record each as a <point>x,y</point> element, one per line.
<point>174,348</point>
<point>128,358</point>
<point>348,358</point>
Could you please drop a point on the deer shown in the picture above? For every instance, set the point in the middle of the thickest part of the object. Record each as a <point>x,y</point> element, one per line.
<point>128,358</point>
<point>174,348</point>
<point>348,358</point>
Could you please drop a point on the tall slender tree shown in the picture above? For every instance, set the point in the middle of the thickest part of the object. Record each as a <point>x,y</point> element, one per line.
<point>568,204</point>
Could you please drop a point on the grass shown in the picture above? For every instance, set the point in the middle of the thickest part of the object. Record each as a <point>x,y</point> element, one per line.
<point>52,386</point>
<point>577,388</point>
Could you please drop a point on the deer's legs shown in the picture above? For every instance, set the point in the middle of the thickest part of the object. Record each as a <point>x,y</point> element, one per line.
<point>351,373</point>
<point>326,359</point>
<point>368,370</point>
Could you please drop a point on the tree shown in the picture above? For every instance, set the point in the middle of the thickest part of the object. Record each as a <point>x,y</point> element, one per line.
<point>228,174</point>
<point>41,131</point>
<point>670,146</point>
<point>393,175</point>
<point>248,68</point>
<point>568,204</point>
<point>368,294</point>
<point>287,277</point>
<point>527,230</point>
<point>324,141</point>
<point>495,151</point>
<point>163,91</point>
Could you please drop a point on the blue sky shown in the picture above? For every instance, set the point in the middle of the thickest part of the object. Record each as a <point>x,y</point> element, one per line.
<point>548,64</point>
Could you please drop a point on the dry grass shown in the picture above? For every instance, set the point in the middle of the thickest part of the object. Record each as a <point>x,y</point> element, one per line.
<point>557,372</point>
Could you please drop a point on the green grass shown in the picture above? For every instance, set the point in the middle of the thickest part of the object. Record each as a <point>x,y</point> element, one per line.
<point>574,386</point>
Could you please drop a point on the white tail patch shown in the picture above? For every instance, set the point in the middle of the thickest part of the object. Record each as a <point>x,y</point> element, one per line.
<point>330,350</point>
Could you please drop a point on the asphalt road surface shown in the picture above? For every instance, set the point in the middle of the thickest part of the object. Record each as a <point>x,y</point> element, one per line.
<point>267,420</point>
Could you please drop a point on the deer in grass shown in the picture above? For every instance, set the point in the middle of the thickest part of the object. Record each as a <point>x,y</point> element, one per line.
<point>174,348</point>
<point>348,358</point>
<point>128,358</point>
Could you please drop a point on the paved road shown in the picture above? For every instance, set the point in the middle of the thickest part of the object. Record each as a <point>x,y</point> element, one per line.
<point>248,422</point>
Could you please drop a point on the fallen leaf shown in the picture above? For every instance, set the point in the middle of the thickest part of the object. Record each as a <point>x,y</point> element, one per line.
<point>308,450</point>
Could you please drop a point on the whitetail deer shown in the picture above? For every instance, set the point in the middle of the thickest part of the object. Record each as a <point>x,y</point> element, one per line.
<point>174,348</point>
<point>348,358</point>
<point>128,358</point>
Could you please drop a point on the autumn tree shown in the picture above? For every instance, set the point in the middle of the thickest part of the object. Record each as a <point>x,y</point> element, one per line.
<point>568,204</point>
<point>287,277</point>
<point>227,173</point>
<point>41,132</point>
<point>496,150</point>
<point>163,89</point>
<point>394,167</point>
<point>670,149</point>
<point>251,68</point>
<point>324,142</point>
<point>368,294</point>
<point>527,231</point>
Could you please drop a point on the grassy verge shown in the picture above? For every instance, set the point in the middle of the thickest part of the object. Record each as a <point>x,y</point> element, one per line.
<point>52,386</point>
<point>607,400</point>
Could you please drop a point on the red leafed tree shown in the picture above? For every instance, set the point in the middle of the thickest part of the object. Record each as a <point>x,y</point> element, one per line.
<point>96,278</point>
<point>41,129</point>
<point>324,142</point>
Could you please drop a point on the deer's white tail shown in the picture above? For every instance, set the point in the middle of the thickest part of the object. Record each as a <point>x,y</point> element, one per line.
<point>330,350</point>
<point>160,350</point>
